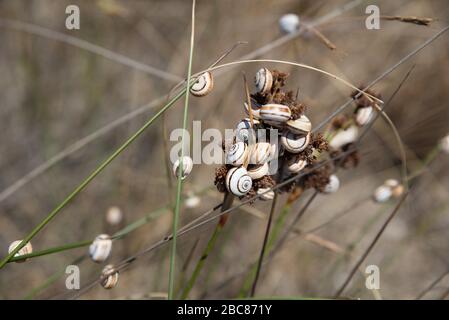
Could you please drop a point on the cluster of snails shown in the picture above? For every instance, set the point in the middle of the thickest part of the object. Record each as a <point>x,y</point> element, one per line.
<point>390,188</point>
<point>99,251</point>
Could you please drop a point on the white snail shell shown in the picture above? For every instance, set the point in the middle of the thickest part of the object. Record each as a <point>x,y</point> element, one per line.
<point>237,154</point>
<point>275,114</point>
<point>392,183</point>
<point>244,130</point>
<point>114,216</point>
<point>289,23</point>
<point>260,153</point>
<point>294,143</point>
<point>296,164</point>
<point>258,171</point>
<point>264,80</point>
<point>238,182</point>
<point>203,85</point>
<point>344,137</point>
<point>255,109</point>
<point>265,194</point>
<point>26,249</point>
<point>363,115</point>
<point>444,144</point>
<point>382,193</point>
<point>333,185</point>
<point>100,248</point>
<point>302,125</point>
<point>187,164</point>
<point>109,277</point>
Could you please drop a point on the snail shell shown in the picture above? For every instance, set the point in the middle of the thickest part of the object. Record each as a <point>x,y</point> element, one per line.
<point>203,85</point>
<point>264,80</point>
<point>344,137</point>
<point>296,164</point>
<point>294,143</point>
<point>237,154</point>
<point>114,216</point>
<point>265,194</point>
<point>260,153</point>
<point>444,144</point>
<point>289,23</point>
<point>302,125</point>
<point>363,115</point>
<point>333,184</point>
<point>258,171</point>
<point>391,183</point>
<point>275,114</point>
<point>26,249</point>
<point>100,248</point>
<point>382,193</point>
<point>255,109</point>
<point>109,277</point>
<point>238,182</point>
<point>244,130</point>
<point>187,164</point>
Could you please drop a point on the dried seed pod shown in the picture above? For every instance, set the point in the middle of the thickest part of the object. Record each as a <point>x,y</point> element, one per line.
<point>296,164</point>
<point>344,137</point>
<point>264,80</point>
<point>294,143</point>
<point>109,277</point>
<point>275,114</point>
<point>289,23</point>
<point>333,184</point>
<point>444,144</point>
<point>302,125</point>
<point>238,182</point>
<point>255,109</point>
<point>258,171</point>
<point>114,216</point>
<point>244,130</point>
<point>382,193</point>
<point>260,153</point>
<point>203,85</point>
<point>237,154</point>
<point>265,194</point>
<point>363,115</point>
<point>187,164</point>
<point>100,248</point>
<point>26,249</point>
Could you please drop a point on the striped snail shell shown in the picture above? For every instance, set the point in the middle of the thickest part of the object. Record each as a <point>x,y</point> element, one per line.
<point>363,115</point>
<point>255,109</point>
<point>258,171</point>
<point>344,137</point>
<point>187,164</point>
<point>275,114</point>
<point>237,154</point>
<point>264,80</point>
<point>333,184</point>
<point>289,22</point>
<point>100,248</point>
<point>244,130</point>
<point>260,153</point>
<point>109,277</point>
<point>26,249</point>
<point>238,182</point>
<point>296,164</point>
<point>265,194</point>
<point>203,85</point>
<point>294,143</point>
<point>302,125</point>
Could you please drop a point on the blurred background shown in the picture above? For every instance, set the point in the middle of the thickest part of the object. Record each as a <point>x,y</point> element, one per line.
<point>57,88</point>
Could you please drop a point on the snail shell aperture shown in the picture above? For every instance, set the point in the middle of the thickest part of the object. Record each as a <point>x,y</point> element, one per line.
<point>294,143</point>
<point>238,182</point>
<point>187,164</point>
<point>100,248</point>
<point>258,171</point>
<point>260,153</point>
<point>264,80</point>
<point>26,249</point>
<point>203,85</point>
<point>237,154</point>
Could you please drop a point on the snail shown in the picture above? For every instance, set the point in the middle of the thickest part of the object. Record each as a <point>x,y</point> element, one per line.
<point>109,277</point>
<point>275,114</point>
<point>390,188</point>
<point>238,182</point>
<point>265,194</point>
<point>302,125</point>
<point>264,80</point>
<point>294,143</point>
<point>100,248</point>
<point>289,23</point>
<point>237,154</point>
<point>203,85</point>
<point>26,249</point>
<point>114,216</point>
<point>187,164</point>
<point>296,164</point>
<point>363,115</point>
<point>258,171</point>
<point>244,130</point>
<point>255,109</point>
<point>444,144</point>
<point>344,137</point>
<point>260,153</point>
<point>333,184</point>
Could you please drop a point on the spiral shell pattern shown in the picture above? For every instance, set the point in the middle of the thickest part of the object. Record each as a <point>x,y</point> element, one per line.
<point>275,114</point>
<point>294,143</point>
<point>260,153</point>
<point>238,182</point>
<point>244,130</point>
<point>237,154</point>
<point>264,80</point>
<point>109,277</point>
<point>203,85</point>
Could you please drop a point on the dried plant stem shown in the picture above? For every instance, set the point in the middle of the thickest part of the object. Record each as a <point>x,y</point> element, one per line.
<point>432,285</point>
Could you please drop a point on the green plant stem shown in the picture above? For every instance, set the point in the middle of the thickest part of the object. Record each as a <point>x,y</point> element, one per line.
<point>89,179</point>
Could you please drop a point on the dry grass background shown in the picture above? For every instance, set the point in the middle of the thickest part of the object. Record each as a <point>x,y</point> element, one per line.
<point>52,94</point>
